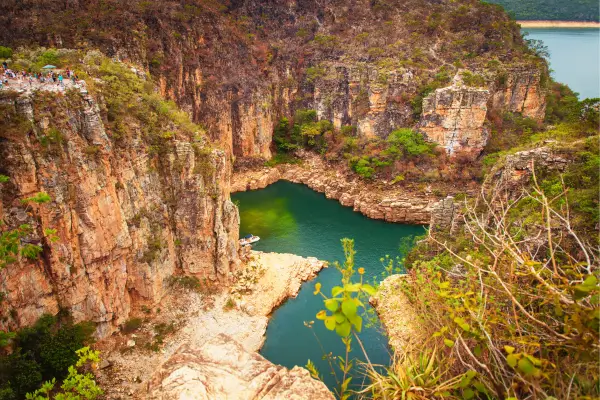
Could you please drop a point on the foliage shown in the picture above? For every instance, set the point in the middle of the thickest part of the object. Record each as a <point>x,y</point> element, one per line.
<point>39,198</point>
<point>421,376</point>
<point>342,314</point>
<point>282,158</point>
<point>553,10</point>
<point>471,79</point>
<point>131,325</point>
<point>401,144</point>
<point>5,52</point>
<point>303,131</point>
<point>405,142</point>
<point>76,385</point>
<point>193,283</point>
<point>11,246</point>
<point>42,352</point>
<point>513,297</point>
<point>441,79</point>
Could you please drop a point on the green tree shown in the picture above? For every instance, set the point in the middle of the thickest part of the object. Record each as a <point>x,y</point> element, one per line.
<point>406,142</point>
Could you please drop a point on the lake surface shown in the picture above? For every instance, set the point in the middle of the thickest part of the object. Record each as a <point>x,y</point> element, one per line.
<point>291,218</point>
<point>574,57</point>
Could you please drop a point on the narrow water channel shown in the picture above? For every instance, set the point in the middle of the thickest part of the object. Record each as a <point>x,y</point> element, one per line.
<point>291,218</point>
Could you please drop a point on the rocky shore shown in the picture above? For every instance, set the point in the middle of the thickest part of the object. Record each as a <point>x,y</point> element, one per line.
<point>374,201</point>
<point>216,341</point>
<point>397,315</point>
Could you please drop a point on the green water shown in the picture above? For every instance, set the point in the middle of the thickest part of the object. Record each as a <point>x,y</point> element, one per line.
<point>291,218</point>
<point>574,57</point>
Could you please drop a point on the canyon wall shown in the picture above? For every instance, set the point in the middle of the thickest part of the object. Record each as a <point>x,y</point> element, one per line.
<point>125,220</point>
<point>238,68</point>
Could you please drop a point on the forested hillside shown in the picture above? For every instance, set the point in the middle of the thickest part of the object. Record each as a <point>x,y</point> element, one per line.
<point>553,10</point>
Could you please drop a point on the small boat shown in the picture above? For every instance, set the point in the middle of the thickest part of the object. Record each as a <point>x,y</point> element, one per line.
<point>249,239</point>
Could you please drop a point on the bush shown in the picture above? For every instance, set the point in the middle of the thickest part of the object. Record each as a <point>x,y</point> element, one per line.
<point>131,325</point>
<point>5,52</point>
<point>407,143</point>
<point>42,352</point>
<point>363,168</point>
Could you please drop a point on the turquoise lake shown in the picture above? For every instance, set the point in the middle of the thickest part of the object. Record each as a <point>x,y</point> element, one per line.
<point>291,218</point>
<point>574,57</point>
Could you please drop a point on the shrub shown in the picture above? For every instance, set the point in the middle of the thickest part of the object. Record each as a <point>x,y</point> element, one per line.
<point>406,142</point>
<point>131,325</point>
<point>5,52</point>
<point>363,168</point>
<point>41,352</point>
<point>471,79</point>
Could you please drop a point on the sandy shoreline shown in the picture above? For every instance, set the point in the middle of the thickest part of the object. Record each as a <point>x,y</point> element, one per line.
<point>558,24</point>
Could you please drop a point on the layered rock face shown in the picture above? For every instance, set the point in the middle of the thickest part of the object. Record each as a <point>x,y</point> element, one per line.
<point>125,221</point>
<point>454,118</point>
<point>222,369</point>
<point>238,68</point>
<point>521,91</point>
<point>364,96</point>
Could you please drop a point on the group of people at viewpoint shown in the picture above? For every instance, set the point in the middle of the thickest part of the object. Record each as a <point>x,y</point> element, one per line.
<point>23,78</point>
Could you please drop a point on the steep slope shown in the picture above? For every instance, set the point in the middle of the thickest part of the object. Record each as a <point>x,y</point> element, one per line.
<point>126,210</point>
<point>238,67</point>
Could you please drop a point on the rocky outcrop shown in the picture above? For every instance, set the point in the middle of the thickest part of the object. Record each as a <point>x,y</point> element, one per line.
<point>125,221</point>
<point>397,315</point>
<point>364,96</point>
<point>271,279</point>
<point>521,90</point>
<point>454,118</point>
<point>388,204</point>
<point>444,215</point>
<point>253,180</point>
<point>517,168</point>
<point>222,369</point>
<point>240,313</point>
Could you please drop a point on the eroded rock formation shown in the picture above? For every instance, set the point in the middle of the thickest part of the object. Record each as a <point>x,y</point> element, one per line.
<point>397,315</point>
<point>125,221</point>
<point>222,369</point>
<point>454,117</point>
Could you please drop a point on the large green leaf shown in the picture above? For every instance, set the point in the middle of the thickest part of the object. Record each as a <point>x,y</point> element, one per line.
<point>526,366</point>
<point>336,290</point>
<point>349,308</point>
<point>356,320</point>
<point>330,322</point>
<point>343,329</point>
<point>512,360</point>
<point>331,304</point>
<point>368,289</point>
<point>352,287</point>
<point>339,317</point>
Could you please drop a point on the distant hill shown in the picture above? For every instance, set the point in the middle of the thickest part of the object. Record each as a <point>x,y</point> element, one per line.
<point>553,10</point>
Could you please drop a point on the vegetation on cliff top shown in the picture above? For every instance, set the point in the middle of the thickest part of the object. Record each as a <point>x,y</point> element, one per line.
<point>552,10</point>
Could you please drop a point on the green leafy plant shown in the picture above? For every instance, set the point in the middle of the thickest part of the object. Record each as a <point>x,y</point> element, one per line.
<point>76,385</point>
<point>342,314</point>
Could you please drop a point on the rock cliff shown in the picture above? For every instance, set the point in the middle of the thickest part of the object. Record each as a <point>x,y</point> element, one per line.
<point>222,369</point>
<point>125,219</point>
<point>454,117</point>
<point>238,68</point>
